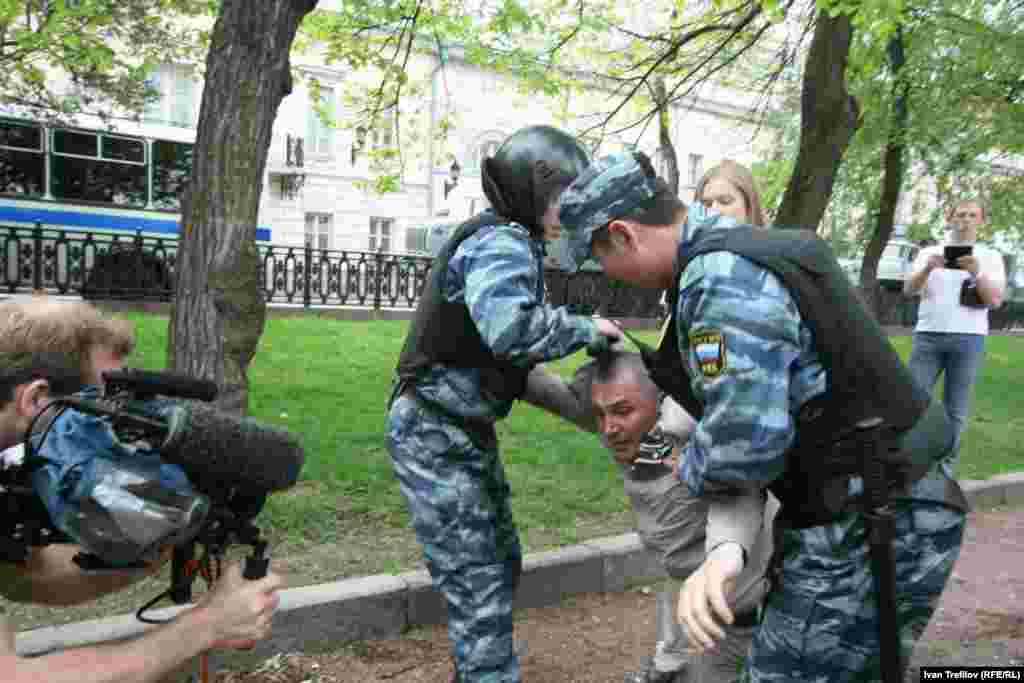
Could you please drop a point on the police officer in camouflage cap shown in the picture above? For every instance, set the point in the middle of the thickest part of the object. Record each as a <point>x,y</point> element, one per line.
<point>481,326</point>
<point>796,390</point>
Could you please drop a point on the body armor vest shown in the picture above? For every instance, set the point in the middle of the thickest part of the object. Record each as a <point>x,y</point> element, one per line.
<point>865,376</point>
<point>444,332</point>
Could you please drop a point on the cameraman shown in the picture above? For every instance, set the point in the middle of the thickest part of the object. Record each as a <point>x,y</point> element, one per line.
<point>92,343</point>
<point>235,613</point>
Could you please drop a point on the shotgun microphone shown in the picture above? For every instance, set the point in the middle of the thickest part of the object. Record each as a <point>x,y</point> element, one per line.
<point>212,446</point>
<point>148,383</point>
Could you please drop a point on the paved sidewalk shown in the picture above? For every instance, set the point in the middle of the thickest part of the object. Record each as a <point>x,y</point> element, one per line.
<point>981,619</point>
<point>596,637</point>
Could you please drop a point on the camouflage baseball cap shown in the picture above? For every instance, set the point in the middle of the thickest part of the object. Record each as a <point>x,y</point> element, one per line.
<point>611,187</point>
<point>616,186</point>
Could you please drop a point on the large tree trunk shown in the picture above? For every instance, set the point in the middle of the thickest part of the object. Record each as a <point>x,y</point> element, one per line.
<point>219,309</point>
<point>828,120</point>
<point>892,180</point>
<point>665,146</point>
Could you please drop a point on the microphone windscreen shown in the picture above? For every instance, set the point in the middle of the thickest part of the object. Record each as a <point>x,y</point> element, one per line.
<point>164,383</point>
<point>217,449</point>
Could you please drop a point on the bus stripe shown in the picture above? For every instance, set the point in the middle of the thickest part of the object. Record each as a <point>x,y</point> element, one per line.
<point>99,221</point>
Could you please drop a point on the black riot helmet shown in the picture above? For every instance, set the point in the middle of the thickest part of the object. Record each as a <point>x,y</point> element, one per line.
<point>528,170</point>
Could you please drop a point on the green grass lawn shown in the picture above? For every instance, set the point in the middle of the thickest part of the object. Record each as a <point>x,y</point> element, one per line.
<point>328,381</point>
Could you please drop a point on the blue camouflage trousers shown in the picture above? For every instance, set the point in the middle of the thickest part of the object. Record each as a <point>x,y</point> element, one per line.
<point>455,487</point>
<point>820,621</point>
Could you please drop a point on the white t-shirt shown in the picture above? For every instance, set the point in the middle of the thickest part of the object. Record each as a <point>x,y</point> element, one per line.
<point>940,309</point>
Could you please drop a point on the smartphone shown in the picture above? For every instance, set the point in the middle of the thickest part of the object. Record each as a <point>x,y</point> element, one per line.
<point>953,252</point>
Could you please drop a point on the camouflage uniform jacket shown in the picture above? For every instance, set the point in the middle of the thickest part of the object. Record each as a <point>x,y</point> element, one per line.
<point>752,364</point>
<point>496,273</point>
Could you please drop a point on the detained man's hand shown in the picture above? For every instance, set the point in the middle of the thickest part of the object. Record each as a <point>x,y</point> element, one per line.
<point>703,599</point>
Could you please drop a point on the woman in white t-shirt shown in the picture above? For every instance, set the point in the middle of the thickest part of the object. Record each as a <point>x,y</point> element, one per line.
<point>952,318</point>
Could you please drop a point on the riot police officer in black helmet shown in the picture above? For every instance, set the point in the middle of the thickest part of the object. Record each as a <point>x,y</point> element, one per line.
<point>481,327</point>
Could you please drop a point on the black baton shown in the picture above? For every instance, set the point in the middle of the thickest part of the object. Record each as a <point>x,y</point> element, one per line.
<point>881,530</point>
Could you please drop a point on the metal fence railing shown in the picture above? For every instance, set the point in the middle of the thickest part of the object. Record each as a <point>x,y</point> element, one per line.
<point>137,267</point>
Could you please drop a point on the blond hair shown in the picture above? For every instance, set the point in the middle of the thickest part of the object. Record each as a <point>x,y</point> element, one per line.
<point>44,324</point>
<point>743,180</point>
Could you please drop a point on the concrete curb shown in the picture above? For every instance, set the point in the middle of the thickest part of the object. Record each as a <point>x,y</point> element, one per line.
<point>383,606</point>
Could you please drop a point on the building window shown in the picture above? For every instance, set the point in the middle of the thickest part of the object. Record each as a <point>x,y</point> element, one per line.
<point>478,205</point>
<point>382,135</point>
<point>319,230</point>
<point>695,169</point>
<point>486,149</point>
<point>380,233</point>
<point>176,104</point>
<point>490,84</point>
<point>416,240</point>
<point>320,124</point>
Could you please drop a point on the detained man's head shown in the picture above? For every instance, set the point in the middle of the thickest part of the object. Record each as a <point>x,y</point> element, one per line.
<point>624,400</point>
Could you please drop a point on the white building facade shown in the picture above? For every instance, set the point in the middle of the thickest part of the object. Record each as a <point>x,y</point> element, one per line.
<point>321,182</point>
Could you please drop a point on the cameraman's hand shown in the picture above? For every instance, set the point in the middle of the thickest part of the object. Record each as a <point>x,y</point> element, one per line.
<point>51,577</point>
<point>240,610</point>
<point>154,567</point>
<point>703,599</point>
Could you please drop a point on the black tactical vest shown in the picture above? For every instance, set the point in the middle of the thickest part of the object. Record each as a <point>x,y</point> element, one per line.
<point>865,376</point>
<point>444,332</point>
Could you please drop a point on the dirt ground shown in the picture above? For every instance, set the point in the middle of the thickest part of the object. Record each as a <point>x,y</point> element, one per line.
<point>597,637</point>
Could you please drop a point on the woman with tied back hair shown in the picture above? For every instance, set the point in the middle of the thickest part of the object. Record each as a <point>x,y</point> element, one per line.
<point>730,189</point>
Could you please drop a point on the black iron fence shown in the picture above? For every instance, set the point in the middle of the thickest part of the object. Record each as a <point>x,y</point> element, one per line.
<point>138,267</point>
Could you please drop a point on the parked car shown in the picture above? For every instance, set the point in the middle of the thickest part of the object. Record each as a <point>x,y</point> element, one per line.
<point>893,266</point>
<point>896,261</point>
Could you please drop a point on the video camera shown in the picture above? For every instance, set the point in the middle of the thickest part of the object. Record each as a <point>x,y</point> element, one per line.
<point>144,464</point>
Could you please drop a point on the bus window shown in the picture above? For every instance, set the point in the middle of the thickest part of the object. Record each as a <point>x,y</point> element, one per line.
<point>98,168</point>
<point>172,165</point>
<point>22,166</point>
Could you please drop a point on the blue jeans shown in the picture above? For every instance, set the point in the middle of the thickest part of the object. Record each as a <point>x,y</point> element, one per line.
<point>958,357</point>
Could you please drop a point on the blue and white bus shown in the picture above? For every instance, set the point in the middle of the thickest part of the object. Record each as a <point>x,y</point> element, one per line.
<point>92,180</point>
<point>74,198</point>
